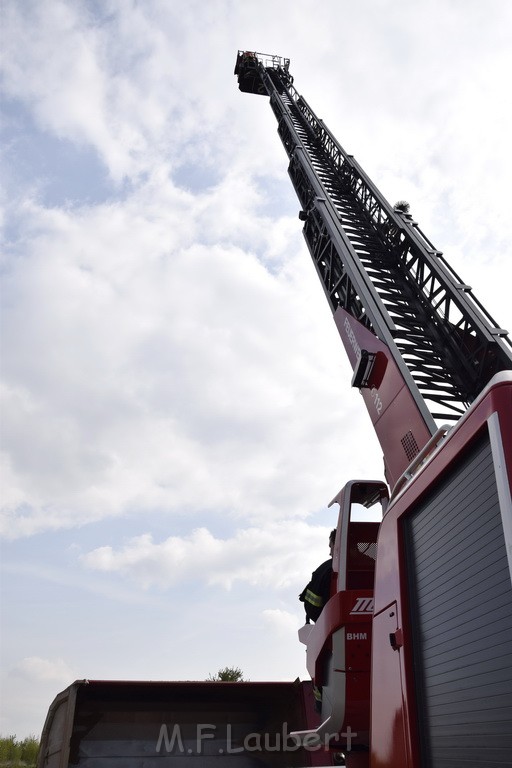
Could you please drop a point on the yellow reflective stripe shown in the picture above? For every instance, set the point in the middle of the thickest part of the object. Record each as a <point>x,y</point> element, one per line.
<point>313,598</point>
<point>317,693</point>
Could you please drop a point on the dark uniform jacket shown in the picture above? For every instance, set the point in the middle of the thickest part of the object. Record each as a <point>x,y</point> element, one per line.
<point>317,592</point>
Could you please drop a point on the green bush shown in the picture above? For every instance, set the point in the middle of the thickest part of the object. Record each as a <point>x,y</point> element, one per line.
<point>15,753</point>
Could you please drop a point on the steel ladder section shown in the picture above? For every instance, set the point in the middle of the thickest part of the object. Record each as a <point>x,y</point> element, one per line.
<point>429,344</point>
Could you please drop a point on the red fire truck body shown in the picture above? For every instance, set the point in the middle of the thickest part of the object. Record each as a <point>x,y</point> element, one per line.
<point>440,684</point>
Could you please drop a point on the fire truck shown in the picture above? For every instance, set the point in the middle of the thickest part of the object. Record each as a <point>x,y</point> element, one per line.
<point>411,657</point>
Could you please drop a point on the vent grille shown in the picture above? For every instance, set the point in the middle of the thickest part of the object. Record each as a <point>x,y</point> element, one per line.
<point>368,548</point>
<point>410,445</point>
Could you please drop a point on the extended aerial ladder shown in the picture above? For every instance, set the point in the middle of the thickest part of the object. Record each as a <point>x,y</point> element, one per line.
<point>377,268</point>
<point>434,370</point>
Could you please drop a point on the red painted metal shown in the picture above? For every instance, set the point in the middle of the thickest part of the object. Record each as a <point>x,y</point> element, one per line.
<point>339,644</point>
<point>394,737</point>
<point>397,420</point>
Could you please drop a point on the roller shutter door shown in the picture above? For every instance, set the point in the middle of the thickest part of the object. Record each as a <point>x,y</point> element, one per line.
<point>461,614</point>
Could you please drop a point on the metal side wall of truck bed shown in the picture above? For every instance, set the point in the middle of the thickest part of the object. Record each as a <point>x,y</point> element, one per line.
<point>122,724</point>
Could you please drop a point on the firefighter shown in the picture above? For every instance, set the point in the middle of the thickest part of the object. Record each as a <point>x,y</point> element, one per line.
<point>317,592</point>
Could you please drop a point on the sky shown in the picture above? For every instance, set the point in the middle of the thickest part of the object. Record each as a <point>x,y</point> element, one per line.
<point>176,405</point>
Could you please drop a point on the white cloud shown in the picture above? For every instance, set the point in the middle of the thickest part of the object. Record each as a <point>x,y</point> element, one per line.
<point>282,622</point>
<point>263,556</point>
<point>152,369</point>
<point>62,77</point>
<point>127,84</point>
<point>37,670</point>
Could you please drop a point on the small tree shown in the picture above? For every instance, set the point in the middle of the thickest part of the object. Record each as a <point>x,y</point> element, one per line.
<point>29,750</point>
<point>228,675</point>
